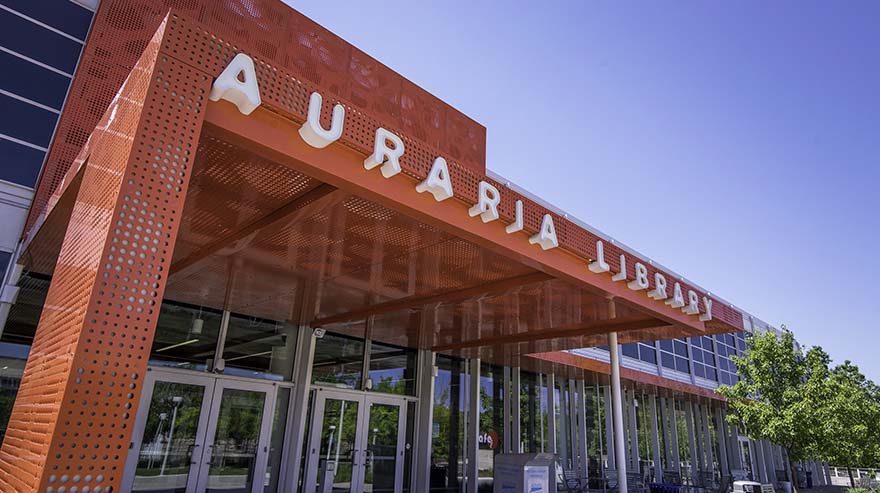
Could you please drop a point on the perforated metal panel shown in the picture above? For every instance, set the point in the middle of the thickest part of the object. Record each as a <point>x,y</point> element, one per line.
<point>72,421</point>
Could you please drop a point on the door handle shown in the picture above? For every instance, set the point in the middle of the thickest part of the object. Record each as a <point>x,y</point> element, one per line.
<point>354,454</point>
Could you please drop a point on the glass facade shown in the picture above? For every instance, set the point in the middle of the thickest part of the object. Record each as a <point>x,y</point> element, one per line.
<point>40,46</point>
<point>448,426</point>
<point>703,351</point>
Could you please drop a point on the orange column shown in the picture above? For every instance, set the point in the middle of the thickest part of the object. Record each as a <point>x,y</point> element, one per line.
<point>72,421</point>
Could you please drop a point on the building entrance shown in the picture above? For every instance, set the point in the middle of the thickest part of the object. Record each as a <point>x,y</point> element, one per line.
<point>199,433</point>
<point>356,443</point>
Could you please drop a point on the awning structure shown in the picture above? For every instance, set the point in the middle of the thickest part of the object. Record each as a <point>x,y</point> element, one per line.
<point>275,228</point>
<point>156,192</point>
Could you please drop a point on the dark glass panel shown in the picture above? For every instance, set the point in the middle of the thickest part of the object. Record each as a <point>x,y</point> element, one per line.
<point>34,41</point>
<point>631,350</point>
<point>25,121</point>
<point>338,361</point>
<point>668,360</point>
<point>186,335</point>
<point>448,427</point>
<point>64,15</point>
<point>31,81</point>
<point>262,348</point>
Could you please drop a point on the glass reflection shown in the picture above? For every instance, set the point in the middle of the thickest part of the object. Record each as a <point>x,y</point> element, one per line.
<point>186,335</point>
<point>392,369</point>
<point>169,439</point>
<point>338,433</point>
<point>338,361</point>
<point>263,348</point>
<point>236,442</point>
<point>450,403</point>
<point>381,461</point>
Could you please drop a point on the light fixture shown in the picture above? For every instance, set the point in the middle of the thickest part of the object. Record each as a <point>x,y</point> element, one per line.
<point>184,343</point>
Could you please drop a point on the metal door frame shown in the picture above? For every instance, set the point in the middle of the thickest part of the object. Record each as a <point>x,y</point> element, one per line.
<point>206,429</point>
<point>261,459</point>
<point>207,382</point>
<point>364,400</point>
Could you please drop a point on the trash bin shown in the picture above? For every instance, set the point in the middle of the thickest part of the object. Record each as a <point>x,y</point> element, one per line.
<point>525,473</point>
<point>786,486</point>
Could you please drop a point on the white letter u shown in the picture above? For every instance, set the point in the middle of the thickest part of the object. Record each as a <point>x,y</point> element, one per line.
<point>313,133</point>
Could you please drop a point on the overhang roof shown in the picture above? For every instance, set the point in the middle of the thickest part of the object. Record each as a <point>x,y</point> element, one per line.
<point>270,212</point>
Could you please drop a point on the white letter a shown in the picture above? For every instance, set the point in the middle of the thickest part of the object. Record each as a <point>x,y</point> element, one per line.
<point>238,85</point>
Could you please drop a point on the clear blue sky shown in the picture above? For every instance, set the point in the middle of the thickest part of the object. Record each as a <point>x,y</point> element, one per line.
<point>737,143</point>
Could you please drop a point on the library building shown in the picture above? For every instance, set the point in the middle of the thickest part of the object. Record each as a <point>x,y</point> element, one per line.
<point>245,256</point>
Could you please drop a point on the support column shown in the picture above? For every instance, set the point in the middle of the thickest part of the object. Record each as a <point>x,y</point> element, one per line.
<point>827,472</point>
<point>667,437</point>
<point>676,454</point>
<point>515,412</point>
<point>617,410</point>
<point>655,440</point>
<point>761,463</point>
<point>424,425</point>
<point>296,436</point>
<point>708,448</point>
<point>551,412</point>
<point>735,449</point>
<point>692,442</point>
<point>632,409</point>
<point>771,461</point>
<point>473,425</point>
<point>721,436</point>
<point>583,442</point>
<point>99,318</point>
<point>506,443</point>
<point>609,428</point>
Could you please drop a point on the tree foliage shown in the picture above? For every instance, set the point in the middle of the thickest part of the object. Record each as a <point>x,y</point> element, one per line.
<point>851,419</point>
<point>793,398</point>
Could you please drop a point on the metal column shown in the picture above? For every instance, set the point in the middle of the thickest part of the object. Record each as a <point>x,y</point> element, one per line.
<point>673,428</point>
<point>473,425</point>
<point>721,435</point>
<point>609,427</point>
<point>632,407</point>
<point>617,410</point>
<point>655,440</point>
<point>296,421</point>
<point>515,415</point>
<point>692,446</point>
<point>707,435</point>
<point>506,443</point>
<point>424,424</point>
<point>551,412</point>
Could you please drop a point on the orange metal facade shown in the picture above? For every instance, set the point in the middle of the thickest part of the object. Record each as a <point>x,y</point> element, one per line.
<point>161,195</point>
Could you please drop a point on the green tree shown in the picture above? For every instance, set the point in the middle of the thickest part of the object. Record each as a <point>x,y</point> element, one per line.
<point>780,393</point>
<point>851,419</point>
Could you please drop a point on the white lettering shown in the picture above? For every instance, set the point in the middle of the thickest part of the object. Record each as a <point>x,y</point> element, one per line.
<point>677,300</point>
<point>238,85</point>
<point>693,306</point>
<point>311,130</point>
<point>641,280</point>
<point>708,315</point>
<point>621,276</point>
<point>437,182</point>
<point>599,265</point>
<point>488,199</point>
<point>517,224</point>
<point>659,291</point>
<point>546,236</point>
<point>387,157</point>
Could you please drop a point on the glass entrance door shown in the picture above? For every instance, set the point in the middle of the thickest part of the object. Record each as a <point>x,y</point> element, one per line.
<point>356,443</point>
<point>200,434</point>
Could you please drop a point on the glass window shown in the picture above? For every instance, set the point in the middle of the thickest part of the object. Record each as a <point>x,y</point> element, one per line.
<point>338,361</point>
<point>30,123</point>
<point>12,360</point>
<point>563,421</point>
<point>63,15</point>
<point>647,354</point>
<point>32,81</point>
<point>491,424</point>
<point>21,164</point>
<point>681,364</point>
<point>680,346</point>
<point>186,335</point>
<point>668,360</point>
<point>34,41</point>
<point>392,369</point>
<point>262,348</point>
<point>666,345</point>
<point>631,350</point>
<point>276,442</point>
<point>448,426</point>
